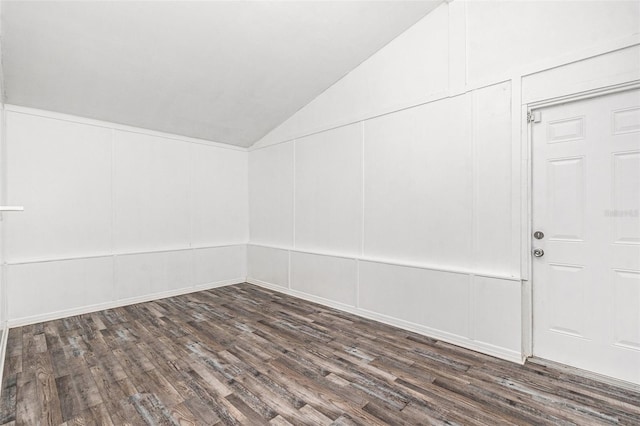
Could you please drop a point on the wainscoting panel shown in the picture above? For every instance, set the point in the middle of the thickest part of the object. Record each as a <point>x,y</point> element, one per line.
<point>219,264</point>
<point>328,277</point>
<point>51,289</point>
<point>496,317</point>
<point>45,287</point>
<point>150,273</point>
<point>434,299</point>
<point>269,265</point>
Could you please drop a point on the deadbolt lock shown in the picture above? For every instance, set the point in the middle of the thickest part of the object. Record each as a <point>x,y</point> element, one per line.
<point>538,235</point>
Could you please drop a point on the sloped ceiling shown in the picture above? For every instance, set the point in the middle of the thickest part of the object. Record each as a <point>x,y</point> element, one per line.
<point>222,71</point>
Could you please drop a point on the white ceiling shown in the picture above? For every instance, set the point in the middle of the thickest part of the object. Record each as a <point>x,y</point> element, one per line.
<point>221,71</point>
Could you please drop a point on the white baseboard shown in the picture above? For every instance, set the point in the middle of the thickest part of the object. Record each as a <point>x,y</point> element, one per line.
<point>19,322</point>
<point>485,348</point>
<point>4,338</point>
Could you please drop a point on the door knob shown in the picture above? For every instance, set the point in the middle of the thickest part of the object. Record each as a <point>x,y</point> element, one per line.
<point>538,252</point>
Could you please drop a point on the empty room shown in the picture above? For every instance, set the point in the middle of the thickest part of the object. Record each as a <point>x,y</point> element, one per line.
<point>348,212</point>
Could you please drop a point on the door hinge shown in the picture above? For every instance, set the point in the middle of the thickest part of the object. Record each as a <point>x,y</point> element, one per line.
<point>533,116</point>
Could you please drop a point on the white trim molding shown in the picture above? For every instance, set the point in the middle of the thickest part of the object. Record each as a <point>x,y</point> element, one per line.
<point>430,267</point>
<point>4,339</point>
<point>118,253</point>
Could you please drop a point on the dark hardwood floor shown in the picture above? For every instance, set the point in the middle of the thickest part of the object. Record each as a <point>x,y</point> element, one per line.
<point>245,355</point>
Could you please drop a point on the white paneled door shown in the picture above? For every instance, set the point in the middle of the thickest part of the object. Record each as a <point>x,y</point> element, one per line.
<point>586,202</point>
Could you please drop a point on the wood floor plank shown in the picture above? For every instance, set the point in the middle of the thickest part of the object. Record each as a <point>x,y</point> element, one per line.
<point>280,421</point>
<point>112,395</point>
<point>28,407</point>
<point>287,406</point>
<point>8,400</point>
<point>151,409</point>
<point>203,413</point>
<point>246,355</point>
<point>46,390</point>
<point>101,415</point>
<point>183,415</point>
<point>67,399</point>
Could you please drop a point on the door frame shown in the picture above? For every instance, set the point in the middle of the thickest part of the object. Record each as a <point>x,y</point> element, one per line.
<point>528,322</point>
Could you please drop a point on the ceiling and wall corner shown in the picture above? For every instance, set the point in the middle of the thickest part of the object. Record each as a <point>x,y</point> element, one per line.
<point>227,72</point>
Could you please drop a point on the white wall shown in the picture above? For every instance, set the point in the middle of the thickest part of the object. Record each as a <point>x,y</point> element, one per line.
<point>3,311</point>
<point>400,193</point>
<point>115,215</point>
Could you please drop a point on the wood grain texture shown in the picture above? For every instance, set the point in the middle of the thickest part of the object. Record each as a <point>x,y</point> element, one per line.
<point>245,355</point>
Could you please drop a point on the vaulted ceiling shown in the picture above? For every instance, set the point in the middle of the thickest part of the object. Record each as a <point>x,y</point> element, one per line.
<point>222,71</point>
